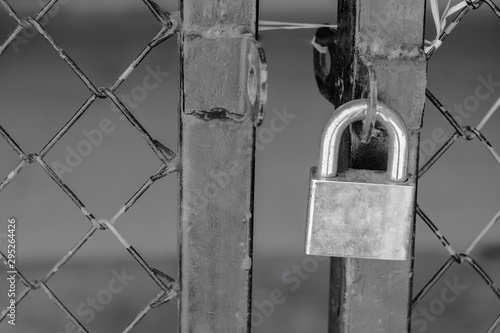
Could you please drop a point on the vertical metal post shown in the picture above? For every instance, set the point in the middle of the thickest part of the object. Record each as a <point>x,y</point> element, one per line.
<point>217,165</point>
<point>369,296</point>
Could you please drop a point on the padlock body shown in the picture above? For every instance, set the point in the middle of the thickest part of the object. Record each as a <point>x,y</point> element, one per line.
<point>359,214</point>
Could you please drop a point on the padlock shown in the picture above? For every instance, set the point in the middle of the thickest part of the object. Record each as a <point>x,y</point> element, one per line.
<point>365,214</point>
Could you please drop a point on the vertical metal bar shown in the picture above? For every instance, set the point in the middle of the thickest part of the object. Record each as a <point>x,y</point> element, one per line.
<point>368,296</point>
<point>217,167</point>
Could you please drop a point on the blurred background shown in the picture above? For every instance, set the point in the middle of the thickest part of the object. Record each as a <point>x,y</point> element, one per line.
<point>39,94</point>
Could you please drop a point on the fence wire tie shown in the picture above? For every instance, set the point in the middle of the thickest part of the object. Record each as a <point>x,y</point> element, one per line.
<point>167,278</point>
<point>171,283</point>
<point>167,297</point>
<point>440,21</point>
<point>172,167</point>
<point>279,25</point>
<point>442,30</point>
<point>168,29</point>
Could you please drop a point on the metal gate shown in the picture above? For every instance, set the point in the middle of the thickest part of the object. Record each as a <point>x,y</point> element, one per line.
<point>377,51</point>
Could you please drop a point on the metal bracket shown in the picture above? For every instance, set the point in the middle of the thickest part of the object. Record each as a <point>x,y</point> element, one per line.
<point>325,46</point>
<point>244,76</point>
<point>254,73</point>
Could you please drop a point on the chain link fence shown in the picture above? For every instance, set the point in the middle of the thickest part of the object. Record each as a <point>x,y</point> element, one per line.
<point>467,133</point>
<point>168,287</point>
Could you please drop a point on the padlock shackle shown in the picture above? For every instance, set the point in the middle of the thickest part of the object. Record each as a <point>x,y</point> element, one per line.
<point>356,110</point>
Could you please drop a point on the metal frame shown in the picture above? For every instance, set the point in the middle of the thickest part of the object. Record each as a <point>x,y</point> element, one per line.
<point>384,37</point>
<point>217,151</point>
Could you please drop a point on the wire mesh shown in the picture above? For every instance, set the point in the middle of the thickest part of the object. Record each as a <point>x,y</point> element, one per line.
<point>467,133</point>
<point>168,286</point>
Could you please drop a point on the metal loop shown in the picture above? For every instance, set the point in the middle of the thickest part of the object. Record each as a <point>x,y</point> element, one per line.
<point>355,111</point>
<point>325,40</point>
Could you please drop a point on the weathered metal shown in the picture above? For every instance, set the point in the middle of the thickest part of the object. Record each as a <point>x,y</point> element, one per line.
<point>223,88</point>
<point>361,213</point>
<point>373,296</point>
<point>325,43</point>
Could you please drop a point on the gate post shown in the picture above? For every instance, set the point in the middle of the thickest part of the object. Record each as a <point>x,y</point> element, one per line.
<point>373,296</point>
<point>217,152</point>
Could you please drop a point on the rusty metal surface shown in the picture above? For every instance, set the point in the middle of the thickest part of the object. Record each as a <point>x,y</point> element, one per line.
<point>359,214</point>
<point>217,117</point>
<point>370,296</point>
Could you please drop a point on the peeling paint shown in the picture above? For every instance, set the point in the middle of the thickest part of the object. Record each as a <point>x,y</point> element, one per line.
<point>220,114</point>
